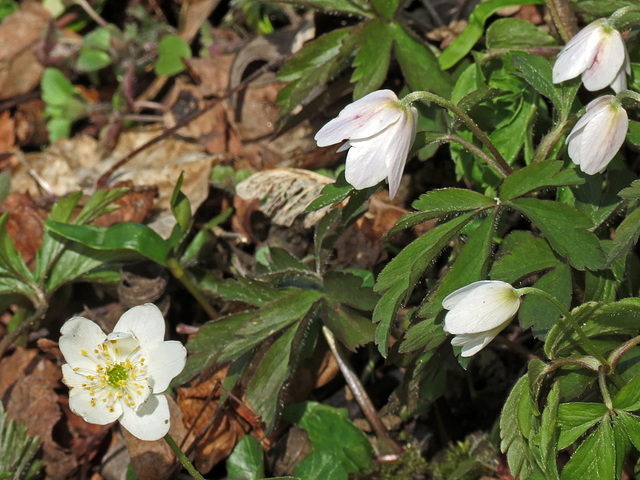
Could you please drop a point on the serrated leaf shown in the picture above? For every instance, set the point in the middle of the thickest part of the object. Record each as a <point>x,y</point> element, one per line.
<point>536,177</point>
<point>574,419</point>
<point>331,431</point>
<point>566,230</point>
<point>536,371</point>
<point>347,288</point>
<point>631,425</point>
<point>516,34</point>
<point>425,335</point>
<point>464,42</point>
<point>251,291</point>
<point>626,237</point>
<point>549,434</point>
<point>628,398</point>
<point>448,201</point>
<point>332,194</point>
<point>511,137</point>
<point>121,236</point>
<point>595,457</point>
<point>419,65</point>
<point>372,60</point>
<point>352,330</point>
<point>522,254</point>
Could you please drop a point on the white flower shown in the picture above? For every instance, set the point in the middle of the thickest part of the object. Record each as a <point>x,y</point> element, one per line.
<point>599,54</point>
<point>478,312</point>
<point>379,133</point>
<point>598,135</point>
<point>121,376</point>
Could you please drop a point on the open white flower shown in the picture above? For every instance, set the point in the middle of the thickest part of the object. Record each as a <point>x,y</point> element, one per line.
<point>598,135</point>
<point>121,376</point>
<point>598,53</point>
<point>478,312</point>
<point>379,131</point>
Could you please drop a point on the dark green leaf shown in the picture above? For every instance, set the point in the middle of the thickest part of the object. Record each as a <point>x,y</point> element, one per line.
<point>463,44</point>
<point>424,335</point>
<point>631,192</point>
<point>628,398</point>
<point>522,254</point>
<point>332,6</point>
<point>347,288</point>
<point>448,201</point>
<point>253,292</point>
<point>536,177</point>
<point>331,431</point>
<point>332,194</point>
<point>419,65</point>
<point>626,237</point>
<point>595,457</point>
<point>352,330</point>
<point>246,462</point>
<point>513,33</point>
<point>631,425</point>
<point>566,230</point>
<point>549,434</point>
<point>121,236</point>
<point>181,208</point>
<point>385,8</point>
<point>321,465</point>
<point>9,256</point>
<point>576,418</point>
<point>374,52</point>
<point>510,137</point>
<point>537,371</point>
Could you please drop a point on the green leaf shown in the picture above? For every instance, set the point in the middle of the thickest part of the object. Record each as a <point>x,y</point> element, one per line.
<point>374,52</point>
<point>536,177</point>
<point>631,192</point>
<point>631,425</point>
<point>347,288</point>
<point>171,50</point>
<point>181,209</point>
<point>386,8</point>
<point>549,434</point>
<point>513,33</point>
<point>403,272</point>
<point>92,60</point>
<point>332,6</point>
<point>332,194</point>
<point>263,392</point>
<point>9,256</point>
<point>513,441</point>
<point>56,89</point>
<point>122,236</point>
<point>522,254</point>
<point>463,44</point>
<point>511,137</point>
<point>574,419</point>
<point>595,457</point>
<point>626,237</point>
<point>537,371</point>
<point>253,292</point>
<point>419,65</point>
<point>352,330</point>
<point>321,465</point>
<point>448,201</point>
<point>538,312</point>
<point>628,398</point>
<point>331,431</point>
<point>424,335</point>
<point>566,230</point>
<point>246,462</point>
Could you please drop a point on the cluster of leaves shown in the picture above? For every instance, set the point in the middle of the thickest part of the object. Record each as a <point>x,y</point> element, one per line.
<point>17,450</point>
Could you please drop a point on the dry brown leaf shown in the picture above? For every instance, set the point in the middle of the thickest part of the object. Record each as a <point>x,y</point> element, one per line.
<point>7,132</point>
<point>72,164</point>
<point>20,71</point>
<point>24,225</point>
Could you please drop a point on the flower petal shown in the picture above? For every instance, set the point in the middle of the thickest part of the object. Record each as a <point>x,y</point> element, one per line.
<point>404,137</point>
<point>456,297</point>
<point>80,336</point>
<point>361,119</point>
<point>166,360</point>
<point>80,401</point>
<point>609,59</point>
<point>483,308</point>
<point>366,162</point>
<point>151,421</point>
<point>602,138</point>
<point>578,54</point>
<point>473,343</point>
<point>144,322</point>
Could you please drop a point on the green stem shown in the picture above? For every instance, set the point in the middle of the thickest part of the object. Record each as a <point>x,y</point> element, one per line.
<point>497,162</point>
<point>470,146</point>
<point>548,143</point>
<point>178,272</point>
<point>602,382</point>
<point>360,394</point>
<point>587,343</point>
<point>182,457</point>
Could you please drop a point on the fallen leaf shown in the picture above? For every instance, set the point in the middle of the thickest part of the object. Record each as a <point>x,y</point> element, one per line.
<point>24,225</point>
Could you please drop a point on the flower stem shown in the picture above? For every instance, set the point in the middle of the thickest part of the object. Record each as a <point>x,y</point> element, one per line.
<point>497,162</point>
<point>603,388</point>
<point>360,394</point>
<point>588,344</point>
<point>563,18</point>
<point>178,272</point>
<point>182,457</point>
<point>548,143</point>
<point>470,146</point>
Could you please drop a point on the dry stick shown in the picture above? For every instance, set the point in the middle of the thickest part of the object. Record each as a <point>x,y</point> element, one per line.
<point>104,179</point>
<point>360,394</point>
<point>563,18</point>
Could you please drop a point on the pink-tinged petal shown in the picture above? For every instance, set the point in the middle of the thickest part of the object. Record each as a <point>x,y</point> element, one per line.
<point>151,421</point>
<point>361,119</point>
<point>602,138</point>
<point>100,414</point>
<point>578,54</point>
<point>473,343</point>
<point>620,82</point>
<point>405,135</point>
<point>80,337</point>
<point>144,322</point>
<point>165,361</point>
<point>609,59</point>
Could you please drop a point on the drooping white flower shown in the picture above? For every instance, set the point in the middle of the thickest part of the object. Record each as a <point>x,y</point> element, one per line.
<point>379,132</point>
<point>121,376</point>
<point>478,312</point>
<point>598,53</point>
<point>598,135</point>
